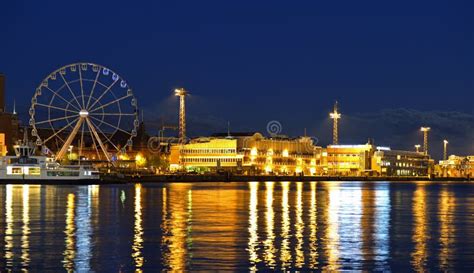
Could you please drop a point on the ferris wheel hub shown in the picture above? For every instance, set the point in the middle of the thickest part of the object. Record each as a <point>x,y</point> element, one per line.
<point>83,113</point>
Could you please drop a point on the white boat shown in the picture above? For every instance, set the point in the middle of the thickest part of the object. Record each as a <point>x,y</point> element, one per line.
<point>26,167</point>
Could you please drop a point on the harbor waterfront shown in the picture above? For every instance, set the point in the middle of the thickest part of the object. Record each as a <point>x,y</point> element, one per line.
<point>74,129</point>
<point>240,226</point>
<point>236,136</point>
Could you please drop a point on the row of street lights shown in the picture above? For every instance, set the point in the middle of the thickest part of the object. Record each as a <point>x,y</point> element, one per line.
<point>425,131</point>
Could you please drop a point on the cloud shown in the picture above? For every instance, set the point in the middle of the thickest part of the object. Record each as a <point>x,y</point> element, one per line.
<point>399,128</point>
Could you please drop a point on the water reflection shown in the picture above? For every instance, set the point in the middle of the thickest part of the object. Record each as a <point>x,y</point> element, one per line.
<point>420,232</point>
<point>382,225</point>
<point>253,226</point>
<point>313,243</point>
<point>175,240</point>
<point>25,231</point>
<point>447,231</point>
<point>332,230</point>
<point>9,226</point>
<point>270,226</point>
<point>299,225</point>
<point>138,230</point>
<point>70,251</point>
<point>350,230</point>
<point>269,247</point>
<point>83,229</point>
<point>285,256</point>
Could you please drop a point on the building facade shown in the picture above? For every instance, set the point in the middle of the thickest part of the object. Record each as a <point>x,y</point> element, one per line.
<point>456,166</point>
<point>280,155</point>
<point>248,153</point>
<point>370,160</point>
<point>205,155</point>
<point>348,160</point>
<point>387,162</point>
<point>3,146</point>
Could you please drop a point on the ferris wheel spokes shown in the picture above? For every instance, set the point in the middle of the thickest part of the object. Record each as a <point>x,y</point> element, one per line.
<point>110,103</point>
<point>82,141</point>
<point>61,97</point>
<point>82,87</point>
<point>111,114</point>
<point>60,130</point>
<point>94,132</point>
<point>69,139</point>
<point>56,107</point>
<point>111,125</point>
<point>55,119</point>
<point>94,142</point>
<point>105,136</point>
<point>93,88</point>
<point>103,94</point>
<point>70,90</point>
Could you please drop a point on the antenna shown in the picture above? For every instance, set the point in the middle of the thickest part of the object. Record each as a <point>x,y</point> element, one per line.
<point>228,128</point>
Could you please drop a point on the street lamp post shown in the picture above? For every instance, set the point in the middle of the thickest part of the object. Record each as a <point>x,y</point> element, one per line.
<point>445,149</point>
<point>70,151</point>
<point>425,131</point>
<point>417,148</point>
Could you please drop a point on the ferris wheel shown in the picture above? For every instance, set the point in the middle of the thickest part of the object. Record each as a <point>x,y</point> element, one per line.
<point>87,107</point>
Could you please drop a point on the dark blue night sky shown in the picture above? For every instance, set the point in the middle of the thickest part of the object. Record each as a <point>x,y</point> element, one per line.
<point>392,65</point>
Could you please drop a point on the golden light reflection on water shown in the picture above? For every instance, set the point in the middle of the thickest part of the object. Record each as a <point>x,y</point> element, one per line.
<point>253,226</point>
<point>420,233</point>
<point>299,261</point>
<point>25,231</point>
<point>313,243</point>
<point>138,230</point>
<point>269,247</point>
<point>176,227</point>
<point>70,251</point>
<point>447,204</point>
<point>206,228</point>
<point>285,254</point>
<point>332,230</point>
<point>189,238</point>
<point>9,225</point>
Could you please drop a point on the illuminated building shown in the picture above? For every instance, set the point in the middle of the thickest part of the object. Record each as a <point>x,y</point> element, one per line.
<point>280,154</point>
<point>205,154</point>
<point>456,166</point>
<point>348,159</point>
<point>3,146</point>
<point>386,162</point>
<point>250,153</point>
<point>368,159</point>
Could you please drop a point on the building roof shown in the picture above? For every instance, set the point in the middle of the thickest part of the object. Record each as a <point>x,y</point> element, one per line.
<point>234,134</point>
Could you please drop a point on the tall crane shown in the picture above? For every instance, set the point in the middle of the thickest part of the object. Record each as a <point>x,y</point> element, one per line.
<point>425,131</point>
<point>181,93</point>
<point>335,116</point>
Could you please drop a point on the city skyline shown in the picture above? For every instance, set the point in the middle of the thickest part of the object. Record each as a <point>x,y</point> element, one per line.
<point>253,63</point>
